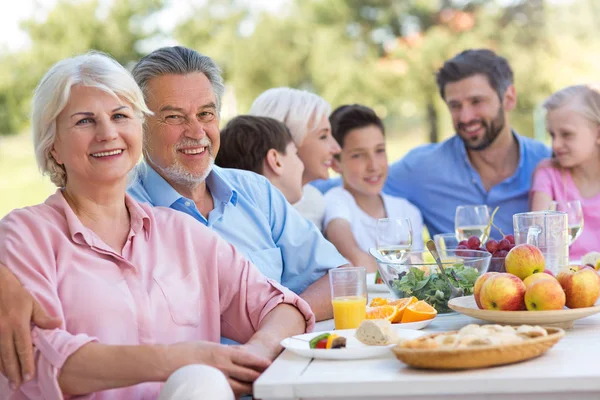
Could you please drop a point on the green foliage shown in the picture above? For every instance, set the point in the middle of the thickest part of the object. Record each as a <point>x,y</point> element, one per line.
<point>382,53</point>
<point>432,288</point>
<point>71,28</point>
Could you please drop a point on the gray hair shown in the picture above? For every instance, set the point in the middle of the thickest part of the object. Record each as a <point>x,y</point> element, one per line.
<point>52,94</point>
<point>299,110</point>
<point>178,60</point>
<point>583,99</point>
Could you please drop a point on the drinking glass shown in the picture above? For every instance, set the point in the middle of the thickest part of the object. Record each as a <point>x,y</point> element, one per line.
<point>548,231</point>
<point>348,296</point>
<point>394,238</point>
<point>445,241</point>
<point>471,221</point>
<point>574,216</point>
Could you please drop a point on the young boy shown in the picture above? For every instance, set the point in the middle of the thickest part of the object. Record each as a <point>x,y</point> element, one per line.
<point>265,146</point>
<point>352,210</point>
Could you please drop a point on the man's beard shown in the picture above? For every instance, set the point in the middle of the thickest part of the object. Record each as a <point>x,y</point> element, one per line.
<point>491,132</point>
<point>176,173</point>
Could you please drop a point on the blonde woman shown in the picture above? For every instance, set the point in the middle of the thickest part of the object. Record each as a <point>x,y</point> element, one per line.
<point>573,121</point>
<point>306,116</point>
<point>143,300</point>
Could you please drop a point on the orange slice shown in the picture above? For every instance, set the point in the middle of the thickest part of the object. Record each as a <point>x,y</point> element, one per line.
<point>419,311</point>
<point>401,305</point>
<point>381,312</point>
<point>378,301</point>
<point>404,300</point>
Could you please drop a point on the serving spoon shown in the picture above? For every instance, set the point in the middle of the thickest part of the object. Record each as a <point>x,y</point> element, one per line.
<point>454,291</point>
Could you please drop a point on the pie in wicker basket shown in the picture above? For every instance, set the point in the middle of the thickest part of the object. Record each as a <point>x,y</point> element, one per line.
<point>428,352</point>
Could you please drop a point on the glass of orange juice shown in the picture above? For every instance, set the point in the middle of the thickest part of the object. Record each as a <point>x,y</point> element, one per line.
<point>348,296</point>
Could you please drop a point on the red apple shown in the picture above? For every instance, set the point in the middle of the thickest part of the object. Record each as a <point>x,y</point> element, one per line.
<point>581,285</point>
<point>479,283</point>
<point>537,277</point>
<point>547,271</point>
<point>503,292</point>
<point>524,260</point>
<point>544,294</point>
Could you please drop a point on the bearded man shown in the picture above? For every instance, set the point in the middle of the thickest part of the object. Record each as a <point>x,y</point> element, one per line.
<point>486,162</point>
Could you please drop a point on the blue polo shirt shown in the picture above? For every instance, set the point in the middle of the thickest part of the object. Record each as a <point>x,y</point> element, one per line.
<point>439,177</point>
<point>255,217</point>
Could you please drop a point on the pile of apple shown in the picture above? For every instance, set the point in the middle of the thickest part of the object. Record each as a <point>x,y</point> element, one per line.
<point>526,285</point>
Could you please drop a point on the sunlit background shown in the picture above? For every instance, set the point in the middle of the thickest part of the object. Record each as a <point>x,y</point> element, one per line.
<point>381,53</point>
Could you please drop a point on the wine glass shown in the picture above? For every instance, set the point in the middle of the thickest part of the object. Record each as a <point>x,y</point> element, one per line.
<point>394,238</point>
<point>574,215</point>
<point>471,221</point>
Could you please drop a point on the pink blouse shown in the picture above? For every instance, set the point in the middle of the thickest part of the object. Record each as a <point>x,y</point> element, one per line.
<point>175,281</point>
<point>559,185</point>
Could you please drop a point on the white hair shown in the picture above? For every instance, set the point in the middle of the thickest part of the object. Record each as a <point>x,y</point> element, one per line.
<point>52,94</point>
<point>299,110</point>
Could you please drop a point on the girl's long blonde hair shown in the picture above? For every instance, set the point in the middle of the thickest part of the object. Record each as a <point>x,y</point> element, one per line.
<point>582,99</point>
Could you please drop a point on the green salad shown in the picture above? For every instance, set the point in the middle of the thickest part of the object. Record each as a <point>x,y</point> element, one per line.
<point>432,288</point>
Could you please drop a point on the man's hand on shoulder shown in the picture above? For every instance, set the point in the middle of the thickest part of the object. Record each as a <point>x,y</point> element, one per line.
<point>18,309</point>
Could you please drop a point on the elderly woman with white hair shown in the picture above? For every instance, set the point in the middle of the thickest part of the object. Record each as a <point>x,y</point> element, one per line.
<point>306,116</point>
<point>142,300</point>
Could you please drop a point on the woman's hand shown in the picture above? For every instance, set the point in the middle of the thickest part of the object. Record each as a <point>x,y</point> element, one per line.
<point>240,366</point>
<point>18,309</point>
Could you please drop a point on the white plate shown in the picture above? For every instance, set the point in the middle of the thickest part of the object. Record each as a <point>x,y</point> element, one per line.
<point>354,350</point>
<point>413,325</point>
<point>558,318</point>
<point>375,287</point>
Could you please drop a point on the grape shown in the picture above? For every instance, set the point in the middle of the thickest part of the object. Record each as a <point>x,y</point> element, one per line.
<point>462,247</point>
<point>463,243</point>
<point>473,243</point>
<point>481,249</point>
<point>503,244</point>
<point>491,246</point>
<point>510,238</point>
<point>500,254</point>
<point>511,246</point>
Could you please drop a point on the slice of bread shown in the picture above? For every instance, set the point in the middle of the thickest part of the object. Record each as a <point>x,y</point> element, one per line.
<point>376,332</point>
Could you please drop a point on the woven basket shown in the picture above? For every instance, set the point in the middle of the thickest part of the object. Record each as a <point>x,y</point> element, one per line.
<point>478,356</point>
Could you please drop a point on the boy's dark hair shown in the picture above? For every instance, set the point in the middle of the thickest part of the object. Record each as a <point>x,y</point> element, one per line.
<point>473,62</point>
<point>246,140</point>
<point>348,117</point>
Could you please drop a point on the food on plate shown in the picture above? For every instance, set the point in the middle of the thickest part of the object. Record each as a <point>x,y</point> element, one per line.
<point>574,286</point>
<point>376,332</point>
<point>432,288</point>
<point>581,285</point>
<point>524,260</point>
<point>479,284</point>
<point>544,294</point>
<point>392,310</point>
<point>419,311</point>
<point>536,277</point>
<point>503,292</point>
<point>475,335</point>
<point>328,341</point>
<point>592,259</point>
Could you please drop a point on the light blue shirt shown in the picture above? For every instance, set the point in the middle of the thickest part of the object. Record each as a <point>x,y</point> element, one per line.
<point>439,177</point>
<point>255,217</point>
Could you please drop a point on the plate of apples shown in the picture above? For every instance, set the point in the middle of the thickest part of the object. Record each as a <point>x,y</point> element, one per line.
<point>528,294</point>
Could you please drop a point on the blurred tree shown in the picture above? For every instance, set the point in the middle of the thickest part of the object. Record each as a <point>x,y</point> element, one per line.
<point>71,28</point>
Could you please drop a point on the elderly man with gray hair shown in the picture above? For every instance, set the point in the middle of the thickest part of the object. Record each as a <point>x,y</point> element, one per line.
<point>183,90</point>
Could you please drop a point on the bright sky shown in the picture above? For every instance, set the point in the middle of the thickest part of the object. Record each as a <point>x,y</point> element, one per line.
<point>13,12</point>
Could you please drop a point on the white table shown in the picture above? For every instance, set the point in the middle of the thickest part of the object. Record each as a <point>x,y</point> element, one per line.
<point>568,371</point>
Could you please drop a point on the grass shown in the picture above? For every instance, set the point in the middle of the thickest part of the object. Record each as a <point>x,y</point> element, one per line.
<point>22,184</point>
